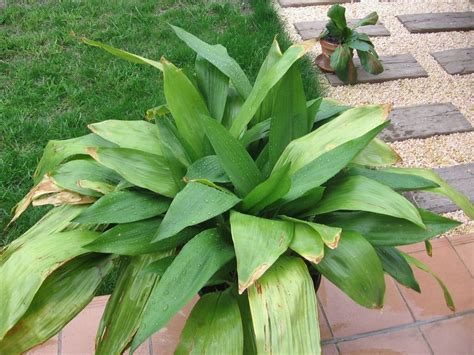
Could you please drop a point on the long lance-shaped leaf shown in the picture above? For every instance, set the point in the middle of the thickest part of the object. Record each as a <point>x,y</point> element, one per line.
<point>258,242</point>
<point>269,191</point>
<point>208,168</point>
<point>422,266</point>
<point>396,266</point>
<point>214,327</point>
<point>57,302</point>
<point>140,135</point>
<point>194,204</point>
<point>401,182</point>
<point>257,132</point>
<point>329,109</point>
<point>69,175</point>
<point>124,309</point>
<point>124,207</point>
<point>21,278</point>
<point>327,165</point>
<point>214,85</point>
<point>139,168</point>
<point>54,221</point>
<point>199,259</point>
<point>444,189</point>
<point>219,59</point>
<point>250,346</point>
<point>266,107</point>
<point>284,311</point>
<point>329,235</point>
<point>377,154</point>
<point>308,243</point>
<point>351,124</point>
<point>186,105</point>
<point>312,107</point>
<point>269,80</point>
<point>232,107</point>
<point>358,193</point>
<point>300,205</point>
<point>356,269</point>
<point>383,230</point>
<point>57,151</point>
<point>233,157</point>
<point>123,54</point>
<point>290,117</point>
<point>136,238</point>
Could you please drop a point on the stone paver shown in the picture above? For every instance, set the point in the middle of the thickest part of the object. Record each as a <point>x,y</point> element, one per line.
<point>401,66</point>
<point>440,22</point>
<point>312,29</point>
<point>423,121</point>
<point>456,61</point>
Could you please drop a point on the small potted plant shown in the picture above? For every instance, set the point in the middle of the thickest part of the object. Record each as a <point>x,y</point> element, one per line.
<point>246,206</point>
<point>338,42</point>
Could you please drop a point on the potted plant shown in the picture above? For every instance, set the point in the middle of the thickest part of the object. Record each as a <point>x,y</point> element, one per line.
<point>338,42</point>
<point>235,191</point>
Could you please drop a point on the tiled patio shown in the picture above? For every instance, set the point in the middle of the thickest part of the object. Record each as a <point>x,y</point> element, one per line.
<point>409,323</point>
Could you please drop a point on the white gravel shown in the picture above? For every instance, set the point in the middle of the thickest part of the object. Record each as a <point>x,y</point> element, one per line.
<point>438,151</point>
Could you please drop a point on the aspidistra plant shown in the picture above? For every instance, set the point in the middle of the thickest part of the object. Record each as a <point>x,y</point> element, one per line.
<point>234,191</point>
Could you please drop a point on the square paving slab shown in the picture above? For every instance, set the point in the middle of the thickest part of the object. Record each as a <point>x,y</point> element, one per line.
<point>440,22</point>
<point>299,3</point>
<point>401,66</point>
<point>312,29</point>
<point>423,121</point>
<point>456,61</point>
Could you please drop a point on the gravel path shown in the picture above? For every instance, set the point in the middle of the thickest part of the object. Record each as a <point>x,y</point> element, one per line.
<point>438,151</point>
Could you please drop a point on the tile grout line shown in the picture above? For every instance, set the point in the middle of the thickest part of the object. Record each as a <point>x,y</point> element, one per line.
<point>324,315</point>
<point>426,340</point>
<point>150,346</point>
<point>396,328</point>
<point>459,257</point>
<point>60,342</point>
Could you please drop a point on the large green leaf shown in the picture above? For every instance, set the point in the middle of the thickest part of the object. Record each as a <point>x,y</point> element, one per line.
<point>186,105</point>
<point>57,151</point>
<point>123,54</point>
<point>284,310</point>
<point>140,135</point>
<point>358,193</point>
<point>139,168</point>
<point>396,266</point>
<point>214,327</point>
<point>208,168</point>
<point>124,207</point>
<point>377,154</point>
<point>194,204</point>
<point>327,165</point>
<point>308,243</point>
<point>289,118</point>
<point>341,62</point>
<point>329,109</point>
<point>213,84</point>
<point>301,204</point>
<point>356,269</point>
<point>312,107</point>
<point>422,266</point>
<point>337,13</point>
<point>232,107</point>
<point>258,242</point>
<point>269,191</point>
<point>124,309</point>
<point>370,62</point>
<point>370,19</point>
<point>351,124</point>
<point>234,159</point>
<point>250,346</point>
<point>22,274</point>
<point>57,302</point>
<point>72,174</point>
<point>199,259</point>
<point>219,59</point>
<point>258,131</point>
<point>395,181</point>
<point>383,230</point>
<point>444,189</point>
<point>329,235</point>
<point>136,238</point>
<point>263,86</point>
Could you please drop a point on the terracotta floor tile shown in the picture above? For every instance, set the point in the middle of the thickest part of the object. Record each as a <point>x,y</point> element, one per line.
<point>165,341</point>
<point>49,347</point>
<point>78,336</point>
<point>329,349</point>
<point>449,267</point>
<point>347,318</point>
<point>407,341</point>
<point>323,325</point>
<point>453,336</point>
<point>464,246</point>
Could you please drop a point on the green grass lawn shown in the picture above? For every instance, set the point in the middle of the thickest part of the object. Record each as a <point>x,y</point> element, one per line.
<point>53,85</point>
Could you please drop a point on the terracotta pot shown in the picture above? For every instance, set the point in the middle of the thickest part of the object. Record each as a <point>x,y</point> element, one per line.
<point>323,60</point>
